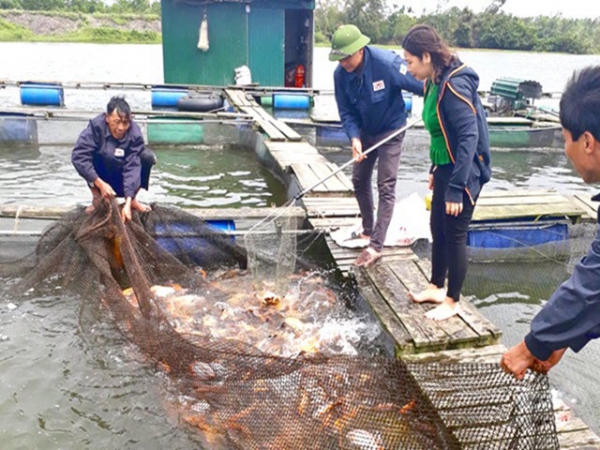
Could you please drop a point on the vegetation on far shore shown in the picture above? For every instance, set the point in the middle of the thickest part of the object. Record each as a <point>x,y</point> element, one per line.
<point>96,21</point>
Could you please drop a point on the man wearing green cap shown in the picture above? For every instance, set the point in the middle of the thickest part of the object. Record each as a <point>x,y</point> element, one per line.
<point>368,91</point>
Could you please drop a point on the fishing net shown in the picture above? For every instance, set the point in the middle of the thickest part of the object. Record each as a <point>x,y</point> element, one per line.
<point>251,369</point>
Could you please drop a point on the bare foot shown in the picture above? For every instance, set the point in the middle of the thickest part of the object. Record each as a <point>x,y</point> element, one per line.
<point>141,207</point>
<point>449,308</point>
<point>432,294</point>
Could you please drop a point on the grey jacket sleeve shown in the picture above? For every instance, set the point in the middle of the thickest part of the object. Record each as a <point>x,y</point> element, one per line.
<point>571,318</point>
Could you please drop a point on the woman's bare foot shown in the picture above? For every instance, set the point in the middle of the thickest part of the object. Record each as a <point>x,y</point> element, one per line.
<point>432,294</point>
<point>141,207</point>
<point>449,308</point>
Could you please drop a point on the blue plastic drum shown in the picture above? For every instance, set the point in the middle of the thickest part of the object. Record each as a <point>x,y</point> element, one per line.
<point>167,98</point>
<point>332,137</point>
<point>42,94</point>
<point>291,101</point>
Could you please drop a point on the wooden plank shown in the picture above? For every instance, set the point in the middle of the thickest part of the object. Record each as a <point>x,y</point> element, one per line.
<point>335,183</point>
<point>563,209</point>
<point>489,333</point>
<point>300,147</point>
<point>590,207</point>
<point>521,200</point>
<point>383,312</point>
<point>424,334</point>
<point>282,127</point>
<point>334,223</point>
<point>581,440</point>
<point>517,193</point>
<point>413,279</point>
<point>490,354</point>
<point>268,127</point>
<point>307,178</point>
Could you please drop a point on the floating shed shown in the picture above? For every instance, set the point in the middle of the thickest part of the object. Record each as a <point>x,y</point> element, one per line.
<point>272,37</point>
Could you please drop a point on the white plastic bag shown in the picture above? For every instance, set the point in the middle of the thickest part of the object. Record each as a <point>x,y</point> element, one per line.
<point>409,223</point>
<point>203,35</point>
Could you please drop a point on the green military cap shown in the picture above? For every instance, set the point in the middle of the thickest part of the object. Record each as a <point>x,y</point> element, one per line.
<point>346,41</point>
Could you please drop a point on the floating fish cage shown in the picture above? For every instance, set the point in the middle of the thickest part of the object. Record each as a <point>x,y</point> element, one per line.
<point>496,240</point>
<point>173,131</point>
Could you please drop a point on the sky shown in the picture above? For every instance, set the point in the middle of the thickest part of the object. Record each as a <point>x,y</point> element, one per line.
<point>577,9</point>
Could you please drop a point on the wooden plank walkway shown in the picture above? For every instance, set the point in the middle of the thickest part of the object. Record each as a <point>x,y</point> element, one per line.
<point>504,205</point>
<point>573,433</point>
<point>310,174</point>
<point>386,285</point>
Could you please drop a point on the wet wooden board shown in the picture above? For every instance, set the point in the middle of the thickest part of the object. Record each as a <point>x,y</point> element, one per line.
<point>285,129</point>
<point>523,204</point>
<point>468,313</point>
<point>239,98</point>
<point>590,207</point>
<point>310,174</point>
<point>288,153</point>
<point>386,317</point>
<point>345,257</point>
<point>393,279</point>
<point>266,125</point>
<point>331,207</point>
<point>329,224</point>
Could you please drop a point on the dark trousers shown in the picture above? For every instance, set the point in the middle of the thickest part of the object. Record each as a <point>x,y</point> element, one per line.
<point>148,159</point>
<point>115,178</point>
<point>387,173</point>
<point>449,249</point>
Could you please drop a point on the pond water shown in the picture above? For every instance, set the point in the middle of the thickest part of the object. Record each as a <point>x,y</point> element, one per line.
<point>70,380</point>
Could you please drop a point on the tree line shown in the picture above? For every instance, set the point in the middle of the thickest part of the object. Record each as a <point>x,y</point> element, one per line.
<point>460,27</point>
<point>141,7</point>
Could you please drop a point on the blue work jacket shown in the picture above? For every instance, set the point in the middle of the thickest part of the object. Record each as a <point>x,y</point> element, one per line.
<point>464,126</point>
<point>571,318</point>
<point>371,101</point>
<point>97,154</point>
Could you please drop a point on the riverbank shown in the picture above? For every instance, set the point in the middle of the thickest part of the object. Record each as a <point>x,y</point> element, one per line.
<point>34,26</point>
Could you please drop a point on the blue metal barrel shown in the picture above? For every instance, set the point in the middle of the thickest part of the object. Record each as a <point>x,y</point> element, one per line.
<point>164,97</point>
<point>291,101</point>
<point>42,94</point>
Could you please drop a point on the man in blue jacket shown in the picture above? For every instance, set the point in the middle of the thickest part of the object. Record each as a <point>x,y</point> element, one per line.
<point>571,318</point>
<point>110,155</point>
<point>368,91</point>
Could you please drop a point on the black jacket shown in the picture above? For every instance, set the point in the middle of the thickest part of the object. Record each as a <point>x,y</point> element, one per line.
<point>464,126</point>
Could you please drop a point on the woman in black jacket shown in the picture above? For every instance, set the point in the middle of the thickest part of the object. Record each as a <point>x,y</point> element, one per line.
<point>460,158</point>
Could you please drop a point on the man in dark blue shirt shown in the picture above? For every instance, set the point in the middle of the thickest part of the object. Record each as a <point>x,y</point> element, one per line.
<point>571,318</point>
<point>368,91</point>
<point>110,155</point>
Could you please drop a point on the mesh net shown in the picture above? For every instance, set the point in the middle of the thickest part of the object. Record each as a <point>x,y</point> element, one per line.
<point>272,254</point>
<point>252,370</point>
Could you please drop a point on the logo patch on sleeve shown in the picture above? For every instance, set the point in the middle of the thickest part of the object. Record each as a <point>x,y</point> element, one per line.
<point>403,69</point>
<point>378,85</point>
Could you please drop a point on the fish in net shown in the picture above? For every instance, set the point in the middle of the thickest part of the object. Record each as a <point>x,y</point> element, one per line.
<point>246,389</point>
